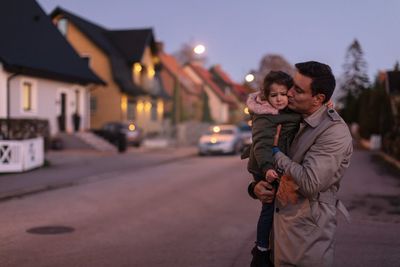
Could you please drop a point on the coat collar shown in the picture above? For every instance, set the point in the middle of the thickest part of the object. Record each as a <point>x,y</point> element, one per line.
<point>317,117</point>
<point>258,106</point>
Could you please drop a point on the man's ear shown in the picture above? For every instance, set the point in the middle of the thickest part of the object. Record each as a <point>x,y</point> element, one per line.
<point>319,99</point>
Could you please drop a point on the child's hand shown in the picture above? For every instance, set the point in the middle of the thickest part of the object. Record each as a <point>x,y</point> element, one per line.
<point>271,175</point>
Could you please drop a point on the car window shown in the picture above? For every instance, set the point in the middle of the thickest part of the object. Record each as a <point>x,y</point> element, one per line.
<point>245,128</point>
<point>227,131</point>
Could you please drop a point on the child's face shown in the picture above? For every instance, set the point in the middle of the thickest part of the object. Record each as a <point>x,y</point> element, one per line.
<point>278,96</point>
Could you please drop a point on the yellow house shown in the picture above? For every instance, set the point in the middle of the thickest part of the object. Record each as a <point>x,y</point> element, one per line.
<point>127,61</point>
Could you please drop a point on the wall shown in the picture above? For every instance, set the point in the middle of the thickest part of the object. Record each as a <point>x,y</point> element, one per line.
<point>3,92</point>
<point>219,110</point>
<point>46,101</point>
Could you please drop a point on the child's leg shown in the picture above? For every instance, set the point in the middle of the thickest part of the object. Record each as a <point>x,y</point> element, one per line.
<point>264,225</point>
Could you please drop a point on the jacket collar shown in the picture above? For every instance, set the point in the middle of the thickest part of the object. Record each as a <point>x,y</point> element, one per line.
<point>317,117</point>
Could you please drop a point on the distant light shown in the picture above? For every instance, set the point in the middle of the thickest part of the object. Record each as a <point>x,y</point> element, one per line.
<point>216,129</point>
<point>246,111</point>
<point>213,140</point>
<point>199,49</point>
<point>132,127</point>
<point>249,78</point>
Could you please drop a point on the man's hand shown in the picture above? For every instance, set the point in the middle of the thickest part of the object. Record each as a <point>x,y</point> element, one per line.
<point>264,192</point>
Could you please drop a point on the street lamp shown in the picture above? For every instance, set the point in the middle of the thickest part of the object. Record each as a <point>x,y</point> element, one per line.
<point>199,49</point>
<point>249,77</point>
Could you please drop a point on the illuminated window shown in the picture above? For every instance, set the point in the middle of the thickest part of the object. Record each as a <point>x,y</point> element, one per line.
<point>137,67</point>
<point>151,72</point>
<point>27,96</point>
<point>160,108</point>
<point>62,26</point>
<point>124,103</point>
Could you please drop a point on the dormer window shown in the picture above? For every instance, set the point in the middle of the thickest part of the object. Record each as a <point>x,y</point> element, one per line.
<point>137,67</point>
<point>62,25</point>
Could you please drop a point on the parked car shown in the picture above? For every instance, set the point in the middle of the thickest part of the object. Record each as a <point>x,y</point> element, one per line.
<point>223,139</point>
<point>245,133</point>
<point>114,131</point>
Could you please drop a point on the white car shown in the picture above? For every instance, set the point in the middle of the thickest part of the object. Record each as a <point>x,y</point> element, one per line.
<point>221,139</point>
<point>245,133</point>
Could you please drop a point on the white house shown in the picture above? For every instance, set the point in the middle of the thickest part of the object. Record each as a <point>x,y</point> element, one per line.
<point>41,75</point>
<point>33,97</point>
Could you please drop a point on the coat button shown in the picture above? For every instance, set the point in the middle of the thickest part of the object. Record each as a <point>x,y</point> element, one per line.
<point>276,210</point>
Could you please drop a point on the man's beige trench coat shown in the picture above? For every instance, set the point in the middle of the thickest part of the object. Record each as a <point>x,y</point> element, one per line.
<point>320,153</point>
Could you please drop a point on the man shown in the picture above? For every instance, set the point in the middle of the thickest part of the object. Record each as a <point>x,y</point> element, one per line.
<point>304,226</point>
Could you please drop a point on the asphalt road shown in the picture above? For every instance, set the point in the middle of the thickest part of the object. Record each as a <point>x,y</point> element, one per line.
<point>191,212</point>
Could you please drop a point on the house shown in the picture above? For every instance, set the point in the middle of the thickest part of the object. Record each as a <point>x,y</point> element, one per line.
<point>220,102</point>
<point>41,75</point>
<point>186,96</point>
<point>237,92</point>
<point>127,61</point>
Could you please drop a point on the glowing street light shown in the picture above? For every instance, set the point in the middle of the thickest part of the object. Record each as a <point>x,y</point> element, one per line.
<point>249,78</point>
<point>199,49</point>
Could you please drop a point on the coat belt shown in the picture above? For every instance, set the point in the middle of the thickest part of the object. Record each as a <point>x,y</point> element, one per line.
<point>330,198</point>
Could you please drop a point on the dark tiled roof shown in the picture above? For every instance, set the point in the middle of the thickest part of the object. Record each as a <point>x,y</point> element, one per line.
<point>394,82</point>
<point>132,43</point>
<point>122,46</point>
<point>31,45</point>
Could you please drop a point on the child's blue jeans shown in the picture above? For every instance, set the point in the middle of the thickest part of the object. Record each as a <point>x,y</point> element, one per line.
<point>264,224</point>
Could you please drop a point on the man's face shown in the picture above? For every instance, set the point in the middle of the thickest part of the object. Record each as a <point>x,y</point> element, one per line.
<point>300,95</point>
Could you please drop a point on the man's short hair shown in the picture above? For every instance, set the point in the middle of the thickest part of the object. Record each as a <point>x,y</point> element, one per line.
<point>323,81</point>
<point>278,77</point>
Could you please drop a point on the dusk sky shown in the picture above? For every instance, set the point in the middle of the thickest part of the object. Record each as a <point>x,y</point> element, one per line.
<point>238,34</point>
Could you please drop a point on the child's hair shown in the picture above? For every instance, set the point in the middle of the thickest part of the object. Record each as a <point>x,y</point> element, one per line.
<point>278,77</point>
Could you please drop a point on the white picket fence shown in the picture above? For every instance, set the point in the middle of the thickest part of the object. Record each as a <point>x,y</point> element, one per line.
<point>21,155</point>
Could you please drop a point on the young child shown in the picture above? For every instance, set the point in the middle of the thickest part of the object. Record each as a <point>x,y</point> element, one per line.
<point>268,108</point>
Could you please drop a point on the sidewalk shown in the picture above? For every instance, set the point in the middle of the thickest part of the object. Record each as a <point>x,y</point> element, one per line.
<point>73,167</point>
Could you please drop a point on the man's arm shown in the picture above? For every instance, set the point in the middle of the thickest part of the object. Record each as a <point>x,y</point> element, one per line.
<point>330,152</point>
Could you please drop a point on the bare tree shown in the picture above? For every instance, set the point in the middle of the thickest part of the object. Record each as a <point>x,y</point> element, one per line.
<point>273,62</point>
